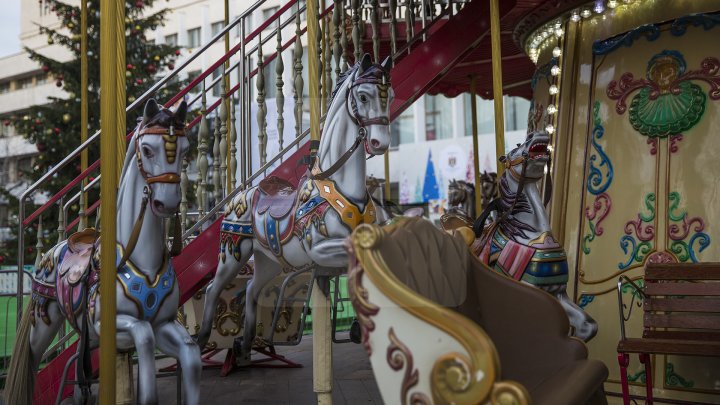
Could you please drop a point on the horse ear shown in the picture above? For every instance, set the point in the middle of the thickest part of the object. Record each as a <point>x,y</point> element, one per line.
<point>387,64</point>
<point>365,63</point>
<point>502,159</point>
<point>181,112</point>
<point>151,109</point>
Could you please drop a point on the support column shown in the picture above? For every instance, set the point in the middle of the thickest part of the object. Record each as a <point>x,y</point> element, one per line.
<point>83,104</point>
<point>112,119</point>
<point>497,83</point>
<point>322,341</point>
<point>476,158</point>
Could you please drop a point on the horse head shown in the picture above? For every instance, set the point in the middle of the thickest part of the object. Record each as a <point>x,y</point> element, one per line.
<point>488,186</point>
<point>526,163</point>
<point>160,146</point>
<point>369,98</point>
<point>456,192</point>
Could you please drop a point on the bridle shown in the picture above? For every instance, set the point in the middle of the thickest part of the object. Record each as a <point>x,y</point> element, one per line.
<point>367,77</point>
<point>170,136</point>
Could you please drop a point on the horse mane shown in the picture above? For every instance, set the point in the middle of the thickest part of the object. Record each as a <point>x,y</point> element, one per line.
<point>511,226</point>
<point>342,78</point>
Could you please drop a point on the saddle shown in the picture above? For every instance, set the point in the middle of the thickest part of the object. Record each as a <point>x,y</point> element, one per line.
<point>277,197</point>
<point>76,260</point>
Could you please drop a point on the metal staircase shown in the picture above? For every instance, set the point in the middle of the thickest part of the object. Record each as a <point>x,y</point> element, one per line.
<point>415,32</point>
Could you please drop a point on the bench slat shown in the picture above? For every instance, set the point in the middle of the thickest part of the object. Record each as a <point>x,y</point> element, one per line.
<point>683,304</point>
<point>682,271</point>
<point>693,335</point>
<point>682,288</point>
<point>690,321</point>
<point>667,346</point>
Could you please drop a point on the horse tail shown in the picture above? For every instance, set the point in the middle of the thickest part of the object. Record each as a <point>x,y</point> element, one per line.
<point>479,224</point>
<point>20,383</point>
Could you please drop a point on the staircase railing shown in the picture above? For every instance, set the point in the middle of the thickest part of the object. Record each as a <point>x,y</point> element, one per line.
<point>244,73</point>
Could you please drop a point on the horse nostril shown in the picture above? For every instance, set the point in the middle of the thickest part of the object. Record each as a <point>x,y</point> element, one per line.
<point>375,143</point>
<point>159,206</point>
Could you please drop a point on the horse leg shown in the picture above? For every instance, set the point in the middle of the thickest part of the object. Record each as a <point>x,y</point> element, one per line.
<point>174,340</point>
<point>265,270</point>
<point>227,269</point>
<point>329,253</point>
<point>143,337</point>
<point>42,334</point>
<point>584,325</point>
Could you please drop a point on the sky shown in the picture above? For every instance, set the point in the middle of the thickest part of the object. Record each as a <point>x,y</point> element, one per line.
<point>10,27</point>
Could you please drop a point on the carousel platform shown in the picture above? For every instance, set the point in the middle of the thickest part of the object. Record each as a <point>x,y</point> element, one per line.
<point>353,380</point>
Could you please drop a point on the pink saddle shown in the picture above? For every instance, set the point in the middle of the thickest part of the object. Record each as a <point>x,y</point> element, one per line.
<point>76,261</point>
<point>277,197</point>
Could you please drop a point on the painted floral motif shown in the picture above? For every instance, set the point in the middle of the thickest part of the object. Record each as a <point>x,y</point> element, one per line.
<point>585,300</point>
<point>595,214</point>
<point>639,234</point>
<point>601,173</point>
<point>637,377</point>
<point>667,102</point>
<point>686,233</point>
<point>673,379</point>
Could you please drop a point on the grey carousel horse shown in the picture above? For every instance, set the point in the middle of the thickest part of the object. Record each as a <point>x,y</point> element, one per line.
<point>519,243</point>
<point>461,198</point>
<point>292,229</point>
<point>65,285</point>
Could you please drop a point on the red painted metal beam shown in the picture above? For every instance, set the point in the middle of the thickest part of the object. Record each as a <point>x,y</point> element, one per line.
<point>430,61</point>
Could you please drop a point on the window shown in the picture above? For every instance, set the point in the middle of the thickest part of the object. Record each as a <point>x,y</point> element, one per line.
<point>402,129</point>
<point>4,87</point>
<point>193,38</point>
<point>171,40</point>
<point>25,83</point>
<point>218,86</point>
<point>41,79</point>
<point>193,74</point>
<point>438,118</point>
<point>268,12</point>
<point>216,27</point>
<point>515,109</point>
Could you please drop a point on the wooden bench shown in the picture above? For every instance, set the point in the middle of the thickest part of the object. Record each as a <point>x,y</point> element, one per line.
<point>681,303</point>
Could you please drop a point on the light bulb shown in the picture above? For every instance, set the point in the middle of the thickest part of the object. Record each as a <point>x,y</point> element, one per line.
<point>551,109</point>
<point>550,129</point>
<point>575,17</point>
<point>612,3</point>
<point>559,32</point>
<point>557,52</point>
<point>555,70</point>
<point>553,90</point>
<point>586,13</point>
<point>599,7</point>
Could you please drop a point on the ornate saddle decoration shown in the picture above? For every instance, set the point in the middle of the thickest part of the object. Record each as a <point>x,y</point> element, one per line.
<point>76,273</point>
<point>273,224</point>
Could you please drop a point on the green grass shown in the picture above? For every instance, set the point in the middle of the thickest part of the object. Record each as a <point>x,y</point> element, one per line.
<point>8,320</point>
<point>346,313</point>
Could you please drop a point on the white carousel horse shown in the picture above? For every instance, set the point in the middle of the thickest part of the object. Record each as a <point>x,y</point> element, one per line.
<point>519,243</point>
<point>296,229</point>
<point>65,286</point>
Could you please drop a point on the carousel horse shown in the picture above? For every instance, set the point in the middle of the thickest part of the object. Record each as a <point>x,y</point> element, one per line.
<point>461,198</point>
<point>519,243</point>
<point>65,285</point>
<point>292,229</point>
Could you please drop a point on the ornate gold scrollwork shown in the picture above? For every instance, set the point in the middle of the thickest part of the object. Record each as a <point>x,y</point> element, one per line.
<point>284,320</point>
<point>398,357</point>
<point>235,313</point>
<point>240,204</point>
<point>364,310</point>
<point>452,374</point>
<point>509,393</point>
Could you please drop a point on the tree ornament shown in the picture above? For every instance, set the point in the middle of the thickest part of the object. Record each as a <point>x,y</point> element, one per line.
<point>130,66</point>
<point>177,52</point>
<point>171,66</point>
<point>41,147</point>
<point>66,118</point>
<point>57,130</point>
<point>138,81</point>
<point>50,41</point>
<point>7,123</point>
<point>46,68</point>
<point>58,83</point>
<point>156,58</point>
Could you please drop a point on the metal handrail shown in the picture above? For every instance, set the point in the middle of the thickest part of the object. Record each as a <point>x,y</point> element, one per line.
<point>626,280</point>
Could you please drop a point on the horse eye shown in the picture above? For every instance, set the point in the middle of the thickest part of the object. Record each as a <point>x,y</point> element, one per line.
<point>147,152</point>
<point>363,98</point>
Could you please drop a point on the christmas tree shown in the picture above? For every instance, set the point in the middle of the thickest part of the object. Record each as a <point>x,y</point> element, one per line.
<point>55,127</point>
<point>418,198</point>
<point>430,186</point>
<point>404,189</point>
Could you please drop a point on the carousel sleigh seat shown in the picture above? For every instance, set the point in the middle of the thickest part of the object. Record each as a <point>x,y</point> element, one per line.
<point>440,327</point>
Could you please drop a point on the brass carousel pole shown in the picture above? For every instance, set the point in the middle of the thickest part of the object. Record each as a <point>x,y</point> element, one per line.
<point>112,113</point>
<point>476,158</point>
<point>228,100</point>
<point>322,343</point>
<point>83,103</point>
<point>497,83</point>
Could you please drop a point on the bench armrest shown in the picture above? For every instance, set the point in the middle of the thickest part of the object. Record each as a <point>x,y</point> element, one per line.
<point>621,307</point>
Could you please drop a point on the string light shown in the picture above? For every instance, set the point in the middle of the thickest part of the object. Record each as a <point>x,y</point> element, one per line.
<point>557,52</point>
<point>550,129</point>
<point>551,109</point>
<point>553,90</point>
<point>575,17</point>
<point>555,70</point>
<point>586,13</point>
<point>612,4</point>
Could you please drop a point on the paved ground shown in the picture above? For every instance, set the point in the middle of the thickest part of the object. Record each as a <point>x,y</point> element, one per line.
<point>353,380</point>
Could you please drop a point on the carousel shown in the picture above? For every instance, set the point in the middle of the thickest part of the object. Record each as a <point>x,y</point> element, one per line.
<point>577,273</point>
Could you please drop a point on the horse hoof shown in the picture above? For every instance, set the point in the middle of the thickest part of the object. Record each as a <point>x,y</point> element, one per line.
<point>355,333</point>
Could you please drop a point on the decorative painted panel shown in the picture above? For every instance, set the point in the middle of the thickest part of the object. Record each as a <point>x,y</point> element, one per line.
<point>651,185</point>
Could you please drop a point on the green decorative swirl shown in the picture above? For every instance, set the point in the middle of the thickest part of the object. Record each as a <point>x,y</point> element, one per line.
<point>674,198</point>
<point>673,379</point>
<point>681,250</point>
<point>650,204</point>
